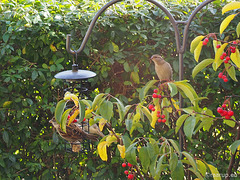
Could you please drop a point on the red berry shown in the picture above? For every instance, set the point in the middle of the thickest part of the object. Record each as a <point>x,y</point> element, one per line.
<point>129,165</point>
<point>219,110</point>
<point>158,112</point>
<point>225,61</point>
<point>74,121</point>
<point>220,75</point>
<point>234,42</point>
<point>84,119</point>
<point>224,106</point>
<point>204,43</point>
<point>227,58</point>
<point>222,57</point>
<point>224,113</point>
<point>159,120</point>
<point>233,50</point>
<point>159,96</point>
<point>163,116</point>
<point>154,95</point>
<point>150,106</point>
<point>225,80</point>
<point>224,54</point>
<point>206,40</point>
<point>164,120</point>
<point>218,46</point>
<point>126,172</point>
<point>227,117</point>
<point>223,77</point>
<point>155,91</point>
<point>230,113</point>
<point>153,109</point>
<point>124,164</point>
<point>158,115</point>
<point>130,176</point>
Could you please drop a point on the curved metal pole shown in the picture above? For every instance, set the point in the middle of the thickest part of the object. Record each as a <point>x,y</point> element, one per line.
<point>91,26</point>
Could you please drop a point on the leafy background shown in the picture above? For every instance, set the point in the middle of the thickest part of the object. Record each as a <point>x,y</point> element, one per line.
<point>124,38</point>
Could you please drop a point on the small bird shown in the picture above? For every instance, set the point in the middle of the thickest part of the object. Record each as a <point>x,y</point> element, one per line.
<point>162,68</point>
<point>94,129</point>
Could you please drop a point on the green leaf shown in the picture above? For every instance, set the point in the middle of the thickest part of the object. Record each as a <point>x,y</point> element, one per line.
<point>235,57</point>
<point>201,167</point>
<point>106,110</point>
<point>229,123</point>
<point>173,161</point>
<point>215,173</point>
<point>87,103</point>
<point>226,22</point>
<point>178,173</point>
<point>146,112</point>
<point>230,6</point>
<point>175,145</point>
<point>135,77</point>
<point>189,126</point>
<point>195,43</point>
<point>34,75</point>
<point>238,30</point>
<point>126,140</point>
<point>231,71</point>
<point>190,159</point>
<point>81,110</point>
<point>97,100</point>
<point>173,89</point>
<point>201,66</point>
<point>5,37</point>
<point>144,158</point>
<point>217,60</point>
<point>145,89</point>
<point>198,50</point>
<point>180,121</point>
<point>121,109</point>
<point>126,67</point>
<point>64,119</point>
<point>115,47</point>
<point>233,147</point>
<point>5,137</point>
<point>59,110</point>
<point>131,154</point>
<point>199,176</point>
<point>159,167</point>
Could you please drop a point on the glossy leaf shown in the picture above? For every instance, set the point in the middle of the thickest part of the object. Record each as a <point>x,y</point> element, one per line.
<point>231,71</point>
<point>173,89</point>
<point>226,22</point>
<point>97,100</point>
<point>102,150</point>
<point>230,6</point>
<point>189,126</point>
<point>197,51</point>
<point>199,67</point>
<point>180,121</point>
<point>215,43</point>
<point>195,42</point>
<point>59,110</point>
<point>233,147</point>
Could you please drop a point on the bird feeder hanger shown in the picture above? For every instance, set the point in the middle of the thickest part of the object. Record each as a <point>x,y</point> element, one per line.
<point>181,40</point>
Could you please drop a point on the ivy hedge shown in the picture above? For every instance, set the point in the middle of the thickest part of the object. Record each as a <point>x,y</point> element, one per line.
<point>124,38</point>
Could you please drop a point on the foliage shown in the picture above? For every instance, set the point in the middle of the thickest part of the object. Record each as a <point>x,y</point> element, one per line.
<point>125,36</point>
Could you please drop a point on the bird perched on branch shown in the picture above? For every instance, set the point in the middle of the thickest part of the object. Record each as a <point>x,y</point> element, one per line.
<point>163,69</point>
<point>94,129</point>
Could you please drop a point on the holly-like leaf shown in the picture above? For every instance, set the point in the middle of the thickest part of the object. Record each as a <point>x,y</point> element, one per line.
<point>195,43</point>
<point>230,6</point>
<point>231,71</point>
<point>198,50</point>
<point>226,22</point>
<point>59,110</point>
<point>189,126</point>
<point>201,66</point>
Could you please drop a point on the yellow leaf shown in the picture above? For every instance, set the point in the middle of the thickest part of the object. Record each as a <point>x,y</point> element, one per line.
<point>68,96</point>
<point>230,6</point>
<point>102,150</point>
<point>53,48</point>
<point>218,61</point>
<point>154,115</point>
<point>88,111</point>
<point>72,117</point>
<point>226,22</point>
<point>136,117</point>
<point>122,150</point>
<point>197,51</point>
<point>235,57</point>
<point>238,30</point>
<point>215,173</point>
<point>24,50</point>
<point>215,43</point>
<point>195,43</point>
<point>6,104</point>
<point>231,71</point>
<point>110,139</point>
<point>102,123</point>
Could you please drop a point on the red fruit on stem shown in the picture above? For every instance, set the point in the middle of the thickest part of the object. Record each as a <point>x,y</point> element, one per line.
<point>126,172</point>
<point>220,75</point>
<point>164,120</point>
<point>233,50</point>
<point>130,176</point>
<point>234,42</point>
<point>129,165</point>
<point>158,112</point>
<point>222,57</point>
<point>124,164</point>
<point>219,110</point>
<point>227,58</point>
<point>69,116</point>
<point>224,54</point>
<point>159,120</point>
<point>225,61</point>
<point>154,95</point>
<point>158,115</point>
<point>204,43</point>
<point>218,46</point>
<point>155,91</point>
<point>227,117</point>
<point>224,106</point>
<point>224,113</point>
<point>84,119</point>
<point>230,113</point>
<point>163,116</point>
<point>153,109</point>
<point>159,96</point>
<point>150,106</point>
<point>225,80</point>
<point>74,121</point>
<point>223,77</point>
<point>206,40</point>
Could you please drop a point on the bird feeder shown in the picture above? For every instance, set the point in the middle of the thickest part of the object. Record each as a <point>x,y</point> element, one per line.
<point>77,80</point>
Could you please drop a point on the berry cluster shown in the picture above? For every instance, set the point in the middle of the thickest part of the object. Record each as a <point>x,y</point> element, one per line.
<point>222,76</point>
<point>224,112</point>
<point>155,95</point>
<point>161,117</point>
<point>205,41</point>
<point>130,176</point>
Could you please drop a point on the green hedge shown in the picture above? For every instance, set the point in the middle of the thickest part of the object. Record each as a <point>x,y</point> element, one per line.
<point>125,36</point>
